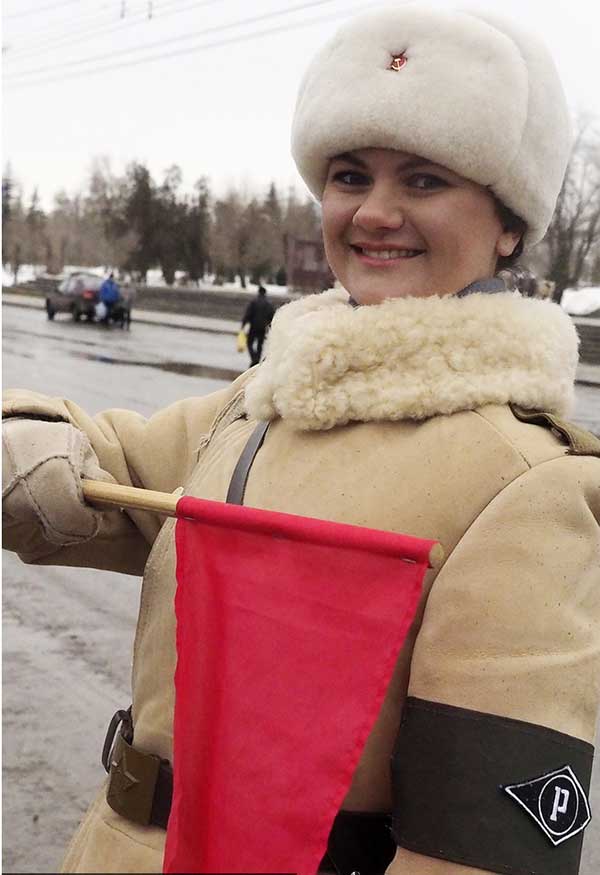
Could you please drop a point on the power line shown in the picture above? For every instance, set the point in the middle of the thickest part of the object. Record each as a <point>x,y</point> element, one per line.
<point>82,34</point>
<point>177,39</point>
<point>51,37</point>
<point>49,29</point>
<point>38,9</point>
<point>199,48</point>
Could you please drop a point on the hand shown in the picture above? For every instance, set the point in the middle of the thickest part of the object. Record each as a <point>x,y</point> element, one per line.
<point>42,466</point>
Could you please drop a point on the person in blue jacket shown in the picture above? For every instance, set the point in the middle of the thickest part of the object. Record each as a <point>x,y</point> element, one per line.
<point>109,295</point>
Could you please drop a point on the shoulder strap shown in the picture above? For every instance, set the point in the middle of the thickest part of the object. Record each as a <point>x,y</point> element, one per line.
<point>580,441</point>
<point>239,478</point>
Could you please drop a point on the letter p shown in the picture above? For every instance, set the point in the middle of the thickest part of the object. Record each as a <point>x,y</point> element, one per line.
<point>561,800</point>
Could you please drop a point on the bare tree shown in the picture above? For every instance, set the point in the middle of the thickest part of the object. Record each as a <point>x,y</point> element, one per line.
<point>574,235</point>
<point>104,207</point>
<point>230,237</point>
<point>302,218</point>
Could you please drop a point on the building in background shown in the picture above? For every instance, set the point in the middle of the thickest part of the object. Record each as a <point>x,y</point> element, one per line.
<point>306,266</point>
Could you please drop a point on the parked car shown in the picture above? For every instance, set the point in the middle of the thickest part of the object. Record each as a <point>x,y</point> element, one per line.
<point>78,295</point>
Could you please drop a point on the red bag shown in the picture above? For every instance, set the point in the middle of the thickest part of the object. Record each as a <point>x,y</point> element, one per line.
<point>288,630</point>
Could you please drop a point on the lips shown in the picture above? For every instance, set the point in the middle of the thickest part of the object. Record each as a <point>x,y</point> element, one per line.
<point>382,254</point>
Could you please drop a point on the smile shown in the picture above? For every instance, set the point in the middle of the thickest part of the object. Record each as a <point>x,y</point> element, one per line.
<point>382,256</point>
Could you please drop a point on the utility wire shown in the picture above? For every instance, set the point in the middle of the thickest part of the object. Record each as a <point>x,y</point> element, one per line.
<point>78,62</point>
<point>49,29</point>
<point>92,28</point>
<point>199,48</point>
<point>38,9</point>
<point>26,44</point>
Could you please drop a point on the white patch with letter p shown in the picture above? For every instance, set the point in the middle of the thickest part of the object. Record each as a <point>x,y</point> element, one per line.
<point>556,801</point>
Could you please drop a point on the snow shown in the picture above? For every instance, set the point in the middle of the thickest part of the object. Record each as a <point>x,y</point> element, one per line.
<point>29,272</point>
<point>581,302</point>
<point>576,302</point>
<point>155,278</point>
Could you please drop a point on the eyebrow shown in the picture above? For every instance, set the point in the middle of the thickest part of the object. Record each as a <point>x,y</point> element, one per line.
<point>409,164</point>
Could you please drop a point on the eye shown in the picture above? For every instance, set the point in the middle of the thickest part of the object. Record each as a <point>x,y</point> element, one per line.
<point>350,177</point>
<point>426,181</point>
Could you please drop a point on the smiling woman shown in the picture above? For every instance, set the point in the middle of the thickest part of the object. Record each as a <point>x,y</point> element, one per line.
<point>396,225</point>
<point>421,397</point>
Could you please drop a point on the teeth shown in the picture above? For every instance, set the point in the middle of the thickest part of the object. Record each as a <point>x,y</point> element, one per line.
<point>387,254</point>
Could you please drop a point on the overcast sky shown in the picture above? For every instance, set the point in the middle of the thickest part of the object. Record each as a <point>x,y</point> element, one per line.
<point>81,79</point>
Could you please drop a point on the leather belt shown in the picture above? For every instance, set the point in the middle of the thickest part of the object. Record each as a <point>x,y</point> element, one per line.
<point>239,478</point>
<point>140,785</point>
<point>140,788</point>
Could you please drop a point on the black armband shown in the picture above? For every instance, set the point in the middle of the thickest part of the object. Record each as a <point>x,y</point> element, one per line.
<point>490,792</point>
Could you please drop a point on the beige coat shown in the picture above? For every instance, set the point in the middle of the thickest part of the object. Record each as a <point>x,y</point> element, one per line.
<point>396,417</point>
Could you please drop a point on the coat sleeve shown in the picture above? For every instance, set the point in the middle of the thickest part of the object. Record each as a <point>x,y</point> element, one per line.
<point>157,453</point>
<point>248,315</point>
<point>498,726</point>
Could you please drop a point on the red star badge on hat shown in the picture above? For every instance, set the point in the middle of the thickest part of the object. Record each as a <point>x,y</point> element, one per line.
<point>398,61</point>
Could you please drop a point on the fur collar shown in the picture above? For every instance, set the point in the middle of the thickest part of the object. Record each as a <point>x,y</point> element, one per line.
<point>328,363</point>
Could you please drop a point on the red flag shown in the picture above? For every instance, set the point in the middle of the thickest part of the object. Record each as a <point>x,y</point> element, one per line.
<point>288,630</point>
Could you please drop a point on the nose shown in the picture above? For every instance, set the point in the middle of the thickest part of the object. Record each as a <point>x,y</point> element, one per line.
<point>381,210</point>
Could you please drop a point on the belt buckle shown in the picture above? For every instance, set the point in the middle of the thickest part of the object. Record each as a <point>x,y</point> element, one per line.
<point>119,718</point>
<point>132,783</point>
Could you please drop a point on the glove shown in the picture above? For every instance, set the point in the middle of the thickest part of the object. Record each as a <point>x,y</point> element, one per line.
<point>42,466</point>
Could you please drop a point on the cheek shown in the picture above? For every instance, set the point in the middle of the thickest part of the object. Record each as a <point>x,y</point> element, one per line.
<point>464,229</point>
<point>336,217</point>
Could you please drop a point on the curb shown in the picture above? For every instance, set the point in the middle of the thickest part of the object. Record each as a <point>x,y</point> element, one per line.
<point>154,317</point>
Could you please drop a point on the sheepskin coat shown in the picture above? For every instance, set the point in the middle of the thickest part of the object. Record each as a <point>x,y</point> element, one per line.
<point>400,416</point>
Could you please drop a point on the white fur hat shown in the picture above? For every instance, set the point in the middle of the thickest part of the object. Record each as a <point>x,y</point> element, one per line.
<point>471,92</point>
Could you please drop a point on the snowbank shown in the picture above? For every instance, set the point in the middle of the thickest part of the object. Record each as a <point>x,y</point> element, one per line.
<point>29,272</point>
<point>581,302</point>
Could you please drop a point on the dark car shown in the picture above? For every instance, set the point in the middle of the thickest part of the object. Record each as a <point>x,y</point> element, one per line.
<point>78,295</point>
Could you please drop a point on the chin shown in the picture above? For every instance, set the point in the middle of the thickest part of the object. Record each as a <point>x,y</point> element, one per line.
<point>375,292</point>
<point>374,288</point>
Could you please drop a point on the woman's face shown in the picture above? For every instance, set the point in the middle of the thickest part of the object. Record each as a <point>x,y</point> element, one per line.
<point>395,225</point>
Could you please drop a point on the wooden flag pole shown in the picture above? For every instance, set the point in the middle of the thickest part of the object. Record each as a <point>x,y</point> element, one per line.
<point>99,492</point>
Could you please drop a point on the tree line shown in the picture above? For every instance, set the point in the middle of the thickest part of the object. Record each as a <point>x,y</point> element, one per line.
<point>133,223</point>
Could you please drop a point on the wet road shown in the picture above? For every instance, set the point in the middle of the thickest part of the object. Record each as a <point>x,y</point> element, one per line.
<point>142,369</point>
<point>68,633</point>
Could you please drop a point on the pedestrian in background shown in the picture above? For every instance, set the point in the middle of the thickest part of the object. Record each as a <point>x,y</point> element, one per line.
<point>109,295</point>
<point>421,397</point>
<point>258,316</point>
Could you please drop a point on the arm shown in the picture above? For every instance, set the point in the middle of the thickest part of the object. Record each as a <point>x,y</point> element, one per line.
<point>247,320</point>
<point>504,683</point>
<point>158,453</point>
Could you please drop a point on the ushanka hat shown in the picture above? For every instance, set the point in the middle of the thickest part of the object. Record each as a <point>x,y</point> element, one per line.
<point>461,88</point>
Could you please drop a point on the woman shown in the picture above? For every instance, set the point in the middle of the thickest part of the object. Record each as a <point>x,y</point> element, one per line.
<point>424,399</point>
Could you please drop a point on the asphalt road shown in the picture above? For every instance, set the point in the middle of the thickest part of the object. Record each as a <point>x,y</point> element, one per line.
<point>68,633</point>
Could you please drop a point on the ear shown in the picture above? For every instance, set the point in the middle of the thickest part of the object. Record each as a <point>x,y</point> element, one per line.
<point>507,243</point>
